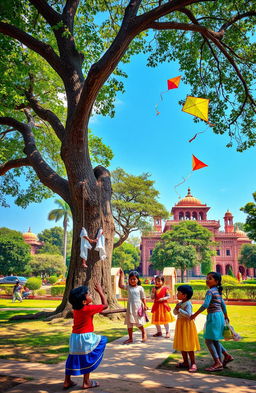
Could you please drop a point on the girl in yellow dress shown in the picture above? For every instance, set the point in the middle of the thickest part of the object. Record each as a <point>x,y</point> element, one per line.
<point>161,312</point>
<point>185,337</point>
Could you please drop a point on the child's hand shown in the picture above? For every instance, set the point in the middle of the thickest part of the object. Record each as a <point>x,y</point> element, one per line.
<point>178,306</point>
<point>97,287</point>
<point>121,272</point>
<point>192,317</point>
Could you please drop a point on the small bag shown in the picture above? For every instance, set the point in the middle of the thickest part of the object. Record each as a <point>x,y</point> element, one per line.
<point>142,313</point>
<point>229,333</point>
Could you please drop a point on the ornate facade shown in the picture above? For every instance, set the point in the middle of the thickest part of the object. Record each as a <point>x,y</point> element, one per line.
<point>31,239</point>
<point>229,241</point>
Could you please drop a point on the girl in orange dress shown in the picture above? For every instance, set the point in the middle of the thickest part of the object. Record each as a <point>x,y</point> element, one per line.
<point>185,336</point>
<point>161,312</point>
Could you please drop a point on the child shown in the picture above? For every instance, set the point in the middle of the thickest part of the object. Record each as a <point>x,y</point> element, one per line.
<point>185,337</point>
<point>85,348</point>
<point>136,307</point>
<point>85,246</point>
<point>214,322</point>
<point>16,292</point>
<point>161,311</point>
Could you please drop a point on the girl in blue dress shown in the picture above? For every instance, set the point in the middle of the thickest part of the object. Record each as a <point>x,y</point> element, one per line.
<point>216,311</point>
<point>85,347</point>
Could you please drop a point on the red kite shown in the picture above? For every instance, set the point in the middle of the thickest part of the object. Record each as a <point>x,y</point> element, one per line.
<point>197,164</point>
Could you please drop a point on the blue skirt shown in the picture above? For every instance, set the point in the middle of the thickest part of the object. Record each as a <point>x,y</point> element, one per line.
<point>86,352</point>
<point>214,326</point>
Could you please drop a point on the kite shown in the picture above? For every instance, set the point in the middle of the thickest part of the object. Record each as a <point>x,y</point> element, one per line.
<point>194,137</point>
<point>197,107</point>
<point>172,83</point>
<point>196,164</point>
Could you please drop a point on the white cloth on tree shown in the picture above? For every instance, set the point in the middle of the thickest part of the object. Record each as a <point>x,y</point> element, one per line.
<point>100,245</point>
<point>85,244</point>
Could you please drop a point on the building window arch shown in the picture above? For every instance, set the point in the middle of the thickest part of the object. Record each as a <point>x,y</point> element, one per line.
<point>228,269</point>
<point>181,216</point>
<point>194,215</point>
<point>219,269</point>
<point>201,215</point>
<point>187,215</point>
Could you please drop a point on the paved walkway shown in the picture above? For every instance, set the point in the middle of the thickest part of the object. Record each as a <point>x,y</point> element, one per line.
<point>128,368</point>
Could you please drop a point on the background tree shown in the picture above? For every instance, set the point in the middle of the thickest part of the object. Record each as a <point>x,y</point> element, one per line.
<point>53,241</point>
<point>248,255</point>
<point>126,256</point>
<point>61,63</point>
<point>250,223</point>
<point>57,214</point>
<point>134,202</point>
<point>186,245</point>
<point>46,265</point>
<point>240,226</point>
<point>14,253</point>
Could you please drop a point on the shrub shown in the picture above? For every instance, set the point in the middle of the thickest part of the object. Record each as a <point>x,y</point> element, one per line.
<point>252,281</point>
<point>147,288</point>
<point>7,288</point>
<point>41,292</point>
<point>52,279</point>
<point>57,290</point>
<point>34,283</point>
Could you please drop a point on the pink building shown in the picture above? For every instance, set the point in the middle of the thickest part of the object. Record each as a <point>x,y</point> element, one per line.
<point>32,240</point>
<point>230,240</point>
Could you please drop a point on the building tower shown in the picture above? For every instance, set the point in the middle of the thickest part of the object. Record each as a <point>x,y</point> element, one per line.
<point>228,222</point>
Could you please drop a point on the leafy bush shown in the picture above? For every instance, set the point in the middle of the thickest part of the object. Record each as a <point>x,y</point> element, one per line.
<point>34,283</point>
<point>147,288</point>
<point>238,294</point>
<point>41,292</point>
<point>249,282</point>
<point>57,290</point>
<point>7,288</point>
<point>229,280</point>
<point>52,279</point>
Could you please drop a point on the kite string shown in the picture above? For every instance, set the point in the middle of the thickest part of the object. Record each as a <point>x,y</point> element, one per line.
<point>184,179</point>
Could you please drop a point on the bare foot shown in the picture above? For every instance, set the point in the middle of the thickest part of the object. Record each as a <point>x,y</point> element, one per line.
<point>144,338</point>
<point>129,341</point>
<point>167,335</point>
<point>84,263</point>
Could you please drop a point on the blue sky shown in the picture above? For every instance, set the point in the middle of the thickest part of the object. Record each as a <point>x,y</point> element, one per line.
<point>144,142</point>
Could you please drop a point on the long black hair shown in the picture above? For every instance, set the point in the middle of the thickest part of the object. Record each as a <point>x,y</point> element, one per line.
<point>217,277</point>
<point>133,273</point>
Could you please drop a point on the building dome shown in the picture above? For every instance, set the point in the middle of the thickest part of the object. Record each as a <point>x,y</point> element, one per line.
<point>29,236</point>
<point>189,200</point>
<point>241,233</point>
<point>228,214</point>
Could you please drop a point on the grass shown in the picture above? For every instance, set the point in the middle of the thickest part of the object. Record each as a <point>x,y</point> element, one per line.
<point>47,342</point>
<point>29,303</point>
<point>242,318</point>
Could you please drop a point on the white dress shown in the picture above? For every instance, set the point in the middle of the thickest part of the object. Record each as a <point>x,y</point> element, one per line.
<point>100,246</point>
<point>135,296</point>
<point>85,244</point>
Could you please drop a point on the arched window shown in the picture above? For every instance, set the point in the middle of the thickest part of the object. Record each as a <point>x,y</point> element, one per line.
<point>151,270</point>
<point>228,269</point>
<point>187,215</point>
<point>194,216</point>
<point>219,269</point>
<point>181,216</point>
<point>201,215</point>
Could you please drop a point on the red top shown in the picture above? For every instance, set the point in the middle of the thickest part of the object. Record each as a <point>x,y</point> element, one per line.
<point>83,319</point>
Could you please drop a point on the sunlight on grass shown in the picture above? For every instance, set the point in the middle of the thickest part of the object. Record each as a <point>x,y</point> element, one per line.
<point>29,303</point>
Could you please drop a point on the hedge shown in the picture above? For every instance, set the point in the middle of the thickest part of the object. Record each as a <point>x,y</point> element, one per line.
<point>229,291</point>
<point>57,290</point>
<point>7,288</point>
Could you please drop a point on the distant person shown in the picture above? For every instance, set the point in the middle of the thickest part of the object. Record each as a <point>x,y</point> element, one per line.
<point>185,336</point>
<point>26,292</point>
<point>85,348</point>
<point>16,293</point>
<point>161,311</point>
<point>216,312</point>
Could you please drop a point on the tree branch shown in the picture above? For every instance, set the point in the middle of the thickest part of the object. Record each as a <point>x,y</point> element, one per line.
<point>69,12</point>
<point>49,14</point>
<point>44,50</point>
<point>184,26</point>
<point>47,115</point>
<point>44,172</point>
<point>236,18</point>
<point>19,162</point>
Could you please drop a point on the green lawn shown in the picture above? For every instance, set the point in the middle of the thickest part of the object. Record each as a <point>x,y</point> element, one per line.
<point>29,303</point>
<point>242,318</point>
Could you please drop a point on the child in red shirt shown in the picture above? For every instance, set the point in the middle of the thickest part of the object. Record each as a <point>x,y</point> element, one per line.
<point>85,348</point>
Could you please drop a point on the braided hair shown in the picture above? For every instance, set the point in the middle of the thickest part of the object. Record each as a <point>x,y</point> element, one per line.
<point>217,277</point>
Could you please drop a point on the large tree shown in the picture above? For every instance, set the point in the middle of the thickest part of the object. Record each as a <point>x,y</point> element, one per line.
<point>248,255</point>
<point>61,62</point>
<point>134,202</point>
<point>126,256</point>
<point>250,222</point>
<point>46,265</point>
<point>14,252</point>
<point>186,245</point>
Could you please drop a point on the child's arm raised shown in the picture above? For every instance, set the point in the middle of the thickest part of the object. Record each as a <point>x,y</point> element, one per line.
<point>103,298</point>
<point>121,279</point>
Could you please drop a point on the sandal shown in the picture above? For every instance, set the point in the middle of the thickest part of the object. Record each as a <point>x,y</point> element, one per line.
<point>167,335</point>
<point>158,334</point>
<point>214,368</point>
<point>93,384</point>
<point>71,385</point>
<point>182,365</point>
<point>192,369</point>
<point>227,360</point>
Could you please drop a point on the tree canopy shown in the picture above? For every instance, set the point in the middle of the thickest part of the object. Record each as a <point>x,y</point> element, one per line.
<point>14,252</point>
<point>250,223</point>
<point>46,265</point>
<point>134,202</point>
<point>185,246</point>
<point>248,255</point>
<point>126,256</point>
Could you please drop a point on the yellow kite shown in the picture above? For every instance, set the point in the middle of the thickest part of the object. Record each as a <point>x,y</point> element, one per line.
<point>197,107</point>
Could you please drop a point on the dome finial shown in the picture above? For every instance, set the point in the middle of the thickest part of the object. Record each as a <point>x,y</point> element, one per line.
<point>189,193</point>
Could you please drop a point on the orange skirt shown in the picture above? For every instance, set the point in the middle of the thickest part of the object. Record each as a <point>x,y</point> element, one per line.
<point>161,315</point>
<point>185,337</point>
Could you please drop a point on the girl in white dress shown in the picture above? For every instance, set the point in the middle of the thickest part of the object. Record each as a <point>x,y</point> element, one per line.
<point>136,307</point>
